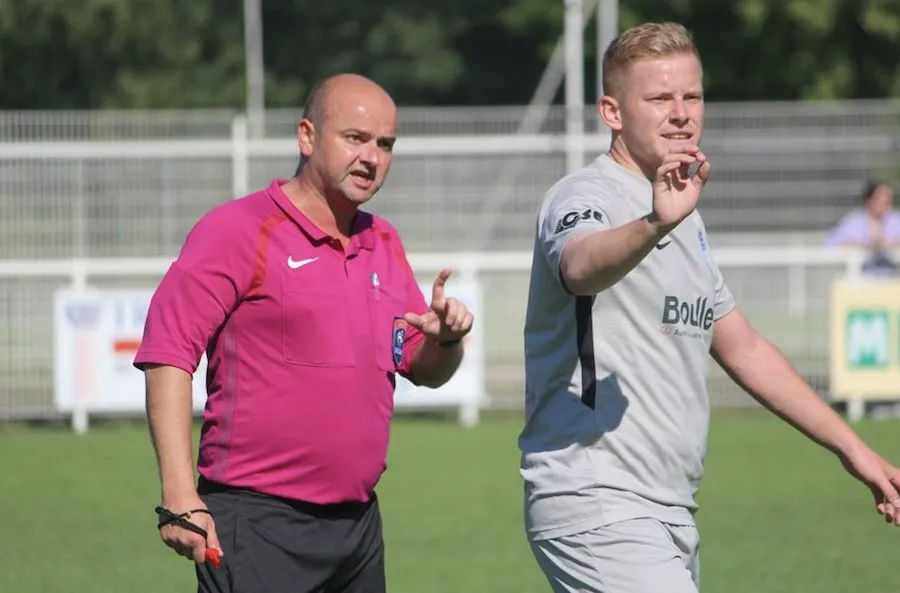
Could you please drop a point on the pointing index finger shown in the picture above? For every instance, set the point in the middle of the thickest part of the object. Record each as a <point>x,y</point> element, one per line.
<point>437,291</point>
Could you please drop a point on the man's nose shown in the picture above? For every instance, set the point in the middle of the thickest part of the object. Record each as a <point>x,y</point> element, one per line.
<point>371,155</point>
<point>679,111</point>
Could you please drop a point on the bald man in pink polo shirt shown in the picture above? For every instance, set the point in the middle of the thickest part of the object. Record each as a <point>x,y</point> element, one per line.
<point>307,308</point>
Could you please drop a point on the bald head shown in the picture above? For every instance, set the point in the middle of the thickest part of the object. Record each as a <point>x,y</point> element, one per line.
<point>333,88</point>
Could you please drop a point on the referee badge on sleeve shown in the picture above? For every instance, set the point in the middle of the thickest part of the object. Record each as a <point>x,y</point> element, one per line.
<point>398,336</point>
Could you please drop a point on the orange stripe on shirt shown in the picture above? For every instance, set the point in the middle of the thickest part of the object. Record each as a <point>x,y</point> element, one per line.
<point>262,251</point>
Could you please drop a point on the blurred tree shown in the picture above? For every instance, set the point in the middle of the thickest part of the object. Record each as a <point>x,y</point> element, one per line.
<point>423,51</point>
<point>788,49</point>
<point>404,44</point>
<point>119,53</point>
<point>174,54</point>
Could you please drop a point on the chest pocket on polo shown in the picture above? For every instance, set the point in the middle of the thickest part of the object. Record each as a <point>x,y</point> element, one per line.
<point>386,310</point>
<point>316,325</point>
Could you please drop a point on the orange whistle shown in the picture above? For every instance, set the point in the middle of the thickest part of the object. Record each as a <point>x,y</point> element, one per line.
<point>212,555</point>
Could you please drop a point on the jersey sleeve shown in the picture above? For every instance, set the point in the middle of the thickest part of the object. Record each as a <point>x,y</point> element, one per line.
<point>724,300</point>
<point>577,208</point>
<point>201,287</point>
<point>415,303</point>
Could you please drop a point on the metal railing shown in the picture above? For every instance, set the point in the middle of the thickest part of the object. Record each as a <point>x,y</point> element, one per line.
<point>783,289</point>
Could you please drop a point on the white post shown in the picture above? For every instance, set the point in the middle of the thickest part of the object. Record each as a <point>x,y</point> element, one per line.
<point>240,155</point>
<point>470,410</point>
<point>254,66</point>
<point>492,209</point>
<point>856,405</point>
<point>574,43</point>
<point>167,207</point>
<point>80,419</point>
<point>79,284</point>
<point>80,416</point>
<point>79,218</point>
<point>607,29</point>
<point>856,409</point>
<point>552,77</point>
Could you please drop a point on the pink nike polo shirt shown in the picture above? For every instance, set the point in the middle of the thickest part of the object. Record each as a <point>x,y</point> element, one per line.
<point>303,342</point>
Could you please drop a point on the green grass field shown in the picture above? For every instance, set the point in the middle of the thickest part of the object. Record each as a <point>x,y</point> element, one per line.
<point>778,513</point>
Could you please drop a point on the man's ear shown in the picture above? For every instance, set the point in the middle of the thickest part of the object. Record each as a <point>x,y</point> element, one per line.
<point>610,113</point>
<point>306,136</point>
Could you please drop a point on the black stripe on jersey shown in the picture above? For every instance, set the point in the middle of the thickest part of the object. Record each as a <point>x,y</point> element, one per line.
<point>584,329</point>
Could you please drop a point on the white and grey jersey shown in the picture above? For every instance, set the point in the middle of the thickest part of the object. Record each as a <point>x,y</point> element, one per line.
<point>616,409</point>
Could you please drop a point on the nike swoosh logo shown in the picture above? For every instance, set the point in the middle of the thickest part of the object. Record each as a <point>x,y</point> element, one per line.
<point>663,245</point>
<point>293,264</point>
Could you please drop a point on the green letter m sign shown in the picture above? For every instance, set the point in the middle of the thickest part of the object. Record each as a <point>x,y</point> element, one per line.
<point>868,339</point>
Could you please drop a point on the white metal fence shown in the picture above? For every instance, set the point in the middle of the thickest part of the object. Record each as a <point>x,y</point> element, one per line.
<point>784,291</point>
<point>109,192</point>
<point>121,184</point>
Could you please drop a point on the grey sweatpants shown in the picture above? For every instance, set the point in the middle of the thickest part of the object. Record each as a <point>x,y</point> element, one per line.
<point>635,556</point>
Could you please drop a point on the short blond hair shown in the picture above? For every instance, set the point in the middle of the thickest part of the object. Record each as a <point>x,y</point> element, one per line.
<point>649,40</point>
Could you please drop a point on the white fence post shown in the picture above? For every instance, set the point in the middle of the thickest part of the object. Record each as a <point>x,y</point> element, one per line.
<point>240,156</point>
<point>470,411</point>
<point>80,415</point>
<point>856,405</point>
<point>797,284</point>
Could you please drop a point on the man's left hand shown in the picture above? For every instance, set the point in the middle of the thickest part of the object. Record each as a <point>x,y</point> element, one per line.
<point>447,319</point>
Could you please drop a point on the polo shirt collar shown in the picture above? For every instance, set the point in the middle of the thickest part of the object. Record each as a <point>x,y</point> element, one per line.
<point>363,228</point>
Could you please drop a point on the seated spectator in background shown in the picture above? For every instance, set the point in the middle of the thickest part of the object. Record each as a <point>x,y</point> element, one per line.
<point>875,226</point>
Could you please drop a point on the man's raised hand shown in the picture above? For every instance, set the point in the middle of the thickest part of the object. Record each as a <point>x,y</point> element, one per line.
<point>447,319</point>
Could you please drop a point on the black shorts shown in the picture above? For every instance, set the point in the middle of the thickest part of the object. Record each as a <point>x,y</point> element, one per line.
<point>273,545</point>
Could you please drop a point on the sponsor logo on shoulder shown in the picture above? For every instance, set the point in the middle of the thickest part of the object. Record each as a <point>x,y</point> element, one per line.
<point>573,217</point>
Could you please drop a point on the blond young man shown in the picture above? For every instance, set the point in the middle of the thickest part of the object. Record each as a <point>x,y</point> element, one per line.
<point>626,303</point>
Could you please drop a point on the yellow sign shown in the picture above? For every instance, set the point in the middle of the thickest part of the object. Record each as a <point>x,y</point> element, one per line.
<point>865,339</point>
